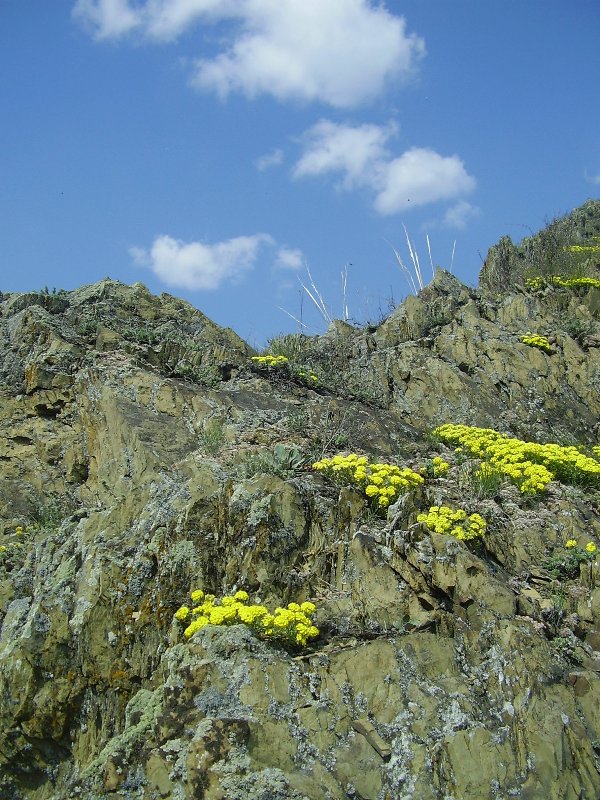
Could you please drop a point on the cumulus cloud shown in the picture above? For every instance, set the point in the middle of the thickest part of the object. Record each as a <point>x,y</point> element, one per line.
<point>289,258</point>
<point>107,19</point>
<point>354,151</point>
<point>273,159</point>
<point>340,52</point>
<point>595,179</point>
<point>458,215</point>
<point>420,176</point>
<point>360,155</point>
<point>167,19</point>
<point>196,265</point>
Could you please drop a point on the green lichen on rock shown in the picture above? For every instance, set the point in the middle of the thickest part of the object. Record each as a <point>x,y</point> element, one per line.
<point>143,454</point>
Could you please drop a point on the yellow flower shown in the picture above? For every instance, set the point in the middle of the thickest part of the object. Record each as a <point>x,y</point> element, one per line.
<point>571,543</point>
<point>591,547</point>
<point>182,613</point>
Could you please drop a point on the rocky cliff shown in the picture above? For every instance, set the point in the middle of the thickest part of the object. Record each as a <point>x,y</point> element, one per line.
<point>146,453</point>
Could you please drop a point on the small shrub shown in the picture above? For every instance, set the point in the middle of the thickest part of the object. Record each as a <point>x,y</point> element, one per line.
<point>212,436</point>
<point>297,421</point>
<point>564,647</point>
<point>535,340</point>
<point>292,626</point>
<point>485,480</point>
<point>294,346</point>
<point>567,564</point>
<point>269,362</point>
<point>141,334</point>
<point>14,549</point>
<point>563,282</point>
<point>334,429</point>
<point>435,467</point>
<point>578,328</point>
<point>206,375</point>
<point>382,484</point>
<point>282,461</point>
<point>53,512</point>
<point>529,465</point>
<point>453,522</point>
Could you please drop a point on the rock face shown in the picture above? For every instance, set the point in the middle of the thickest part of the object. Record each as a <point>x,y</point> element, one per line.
<point>144,454</point>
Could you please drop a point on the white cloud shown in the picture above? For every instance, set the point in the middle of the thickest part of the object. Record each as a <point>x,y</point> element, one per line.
<point>356,152</point>
<point>273,159</point>
<point>167,19</point>
<point>107,19</point>
<point>195,265</point>
<point>360,155</point>
<point>340,52</point>
<point>420,176</point>
<point>458,215</point>
<point>592,178</point>
<point>289,258</point>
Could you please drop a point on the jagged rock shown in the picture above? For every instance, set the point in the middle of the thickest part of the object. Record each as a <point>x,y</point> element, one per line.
<point>145,456</point>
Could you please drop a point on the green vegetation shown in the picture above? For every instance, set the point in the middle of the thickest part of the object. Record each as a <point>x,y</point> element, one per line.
<point>13,548</point>
<point>567,564</point>
<point>535,340</point>
<point>381,483</point>
<point>529,465</point>
<point>282,461</point>
<point>453,522</point>
<point>212,436</point>
<point>292,626</point>
<point>562,281</point>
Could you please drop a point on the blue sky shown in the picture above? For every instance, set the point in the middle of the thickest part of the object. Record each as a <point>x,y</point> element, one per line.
<point>214,149</point>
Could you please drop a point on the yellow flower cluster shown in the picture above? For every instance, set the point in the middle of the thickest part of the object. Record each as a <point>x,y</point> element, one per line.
<point>381,483</point>
<point>579,248</point>
<point>292,625</point>
<point>13,547</point>
<point>270,361</point>
<point>534,340</point>
<point>589,548</point>
<point>454,522</point>
<point>596,452</point>
<point>436,468</point>
<point>530,465</point>
<point>307,376</point>
<point>561,281</point>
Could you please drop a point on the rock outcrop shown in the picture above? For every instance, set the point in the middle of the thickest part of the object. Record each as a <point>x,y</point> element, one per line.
<point>144,454</point>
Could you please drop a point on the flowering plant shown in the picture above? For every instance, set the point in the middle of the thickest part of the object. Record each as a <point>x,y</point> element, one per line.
<point>534,340</point>
<point>436,467</point>
<point>529,465</point>
<point>454,522</point>
<point>14,546</point>
<point>292,625</point>
<point>381,483</point>
<point>567,565</point>
<point>281,365</point>
<point>270,361</point>
<point>562,282</point>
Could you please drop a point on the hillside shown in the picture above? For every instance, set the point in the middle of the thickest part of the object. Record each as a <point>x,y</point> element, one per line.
<point>146,453</point>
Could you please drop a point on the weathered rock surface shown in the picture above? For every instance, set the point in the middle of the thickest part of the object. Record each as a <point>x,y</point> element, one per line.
<point>145,455</point>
